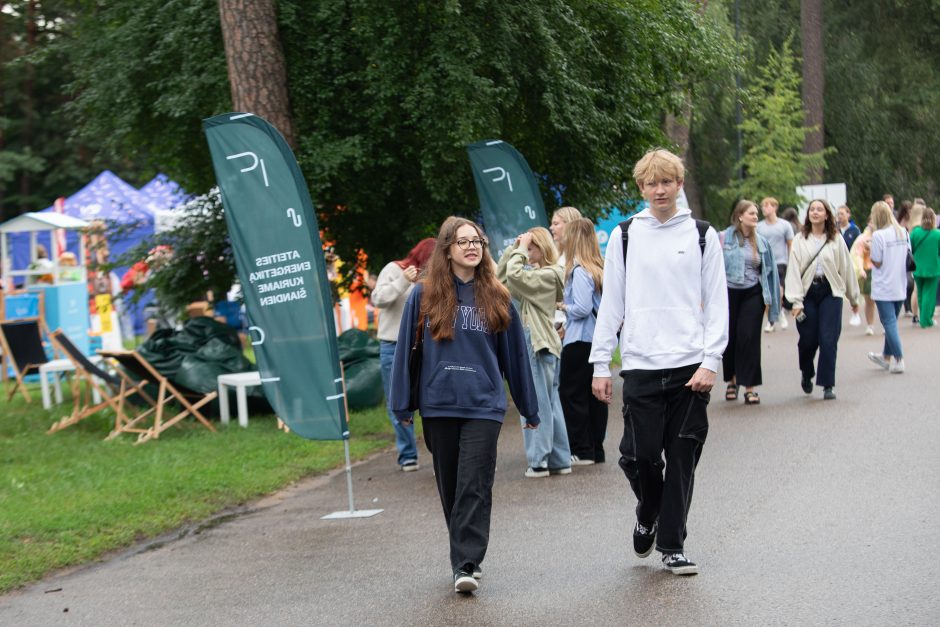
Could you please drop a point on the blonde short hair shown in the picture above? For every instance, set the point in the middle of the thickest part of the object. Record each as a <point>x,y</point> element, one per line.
<point>770,200</point>
<point>658,162</point>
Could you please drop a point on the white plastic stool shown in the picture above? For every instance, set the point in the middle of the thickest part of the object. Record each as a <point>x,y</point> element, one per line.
<point>55,368</point>
<point>241,381</point>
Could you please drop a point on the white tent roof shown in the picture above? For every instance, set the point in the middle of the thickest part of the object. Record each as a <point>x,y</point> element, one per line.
<point>41,222</point>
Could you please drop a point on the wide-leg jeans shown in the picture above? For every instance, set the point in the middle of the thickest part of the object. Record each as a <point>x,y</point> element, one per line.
<point>547,446</point>
<point>464,454</point>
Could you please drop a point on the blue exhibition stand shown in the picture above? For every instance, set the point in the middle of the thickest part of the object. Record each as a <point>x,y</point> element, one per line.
<point>66,308</point>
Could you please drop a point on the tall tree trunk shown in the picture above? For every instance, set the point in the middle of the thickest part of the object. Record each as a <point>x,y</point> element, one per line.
<point>257,72</point>
<point>814,80</point>
<point>677,129</point>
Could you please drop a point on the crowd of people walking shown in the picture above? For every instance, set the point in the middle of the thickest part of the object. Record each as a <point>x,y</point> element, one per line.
<point>675,296</point>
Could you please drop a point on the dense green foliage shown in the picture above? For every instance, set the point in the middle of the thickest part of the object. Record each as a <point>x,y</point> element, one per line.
<point>882,97</point>
<point>774,132</point>
<point>70,497</point>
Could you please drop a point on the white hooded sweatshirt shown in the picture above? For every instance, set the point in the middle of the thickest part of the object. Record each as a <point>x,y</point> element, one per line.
<point>673,301</point>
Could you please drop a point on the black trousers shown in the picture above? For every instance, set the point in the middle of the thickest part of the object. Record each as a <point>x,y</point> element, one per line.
<point>741,360</point>
<point>464,455</point>
<point>585,416</point>
<point>662,416</point>
<point>820,330</point>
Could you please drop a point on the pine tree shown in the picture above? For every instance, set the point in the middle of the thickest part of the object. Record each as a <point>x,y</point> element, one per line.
<point>774,133</point>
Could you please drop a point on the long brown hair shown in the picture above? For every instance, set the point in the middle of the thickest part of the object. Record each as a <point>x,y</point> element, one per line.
<point>739,209</point>
<point>581,249</point>
<point>830,224</point>
<point>439,300</point>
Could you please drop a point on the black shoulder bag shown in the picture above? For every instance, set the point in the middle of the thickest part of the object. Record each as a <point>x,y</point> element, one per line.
<point>911,264</point>
<point>414,365</point>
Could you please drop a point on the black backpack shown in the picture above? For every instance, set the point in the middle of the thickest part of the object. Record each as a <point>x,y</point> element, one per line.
<point>701,225</point>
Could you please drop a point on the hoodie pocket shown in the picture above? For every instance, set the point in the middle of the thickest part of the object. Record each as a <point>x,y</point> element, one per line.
<point>664,331</point>
<point>460,385</point>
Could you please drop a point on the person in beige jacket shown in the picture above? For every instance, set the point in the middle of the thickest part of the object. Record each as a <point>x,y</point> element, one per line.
<point>530,269</point>
<point>391,291</point>
<point>821,275</point>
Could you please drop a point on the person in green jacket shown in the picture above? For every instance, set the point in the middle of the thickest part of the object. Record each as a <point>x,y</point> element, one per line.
<point>529,268</point>
<point>925,242</point>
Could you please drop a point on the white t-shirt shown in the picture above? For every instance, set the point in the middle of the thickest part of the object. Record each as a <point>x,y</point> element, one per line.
<point>889,282</point>
<point>777,234</point>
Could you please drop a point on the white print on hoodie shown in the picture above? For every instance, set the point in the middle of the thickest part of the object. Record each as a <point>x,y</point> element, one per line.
<point>673,302</point>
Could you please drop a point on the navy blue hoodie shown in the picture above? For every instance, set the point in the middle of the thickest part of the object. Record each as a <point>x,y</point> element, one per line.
<point>463,377</point>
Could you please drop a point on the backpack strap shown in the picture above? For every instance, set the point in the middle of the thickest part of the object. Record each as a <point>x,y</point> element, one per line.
<point>701,225</point>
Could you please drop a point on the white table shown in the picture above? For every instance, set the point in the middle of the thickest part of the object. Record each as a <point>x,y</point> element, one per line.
<point>55,368</point>
<point>241,381</point>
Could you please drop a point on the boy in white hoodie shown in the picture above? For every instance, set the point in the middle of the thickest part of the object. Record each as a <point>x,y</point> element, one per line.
<point>673,305</point>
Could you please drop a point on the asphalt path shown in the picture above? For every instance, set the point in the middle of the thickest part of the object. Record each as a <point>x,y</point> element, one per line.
<point>806,512</point>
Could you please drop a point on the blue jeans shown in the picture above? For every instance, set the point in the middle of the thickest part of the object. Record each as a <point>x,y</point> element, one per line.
<point>888,311</point>
<point>404,436</point>
<point>547,446</point>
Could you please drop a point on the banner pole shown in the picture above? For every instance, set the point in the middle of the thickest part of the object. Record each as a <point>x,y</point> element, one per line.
<point>352,513</point>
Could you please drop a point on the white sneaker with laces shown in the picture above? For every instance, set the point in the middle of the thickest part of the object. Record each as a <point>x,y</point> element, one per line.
<point>783,321</point>
<point>768,328</point>
<point>869,330</point>
<point>875,358</point>
<point>897,366</point>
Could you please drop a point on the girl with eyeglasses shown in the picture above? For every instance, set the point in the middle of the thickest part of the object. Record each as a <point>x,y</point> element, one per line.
<point>471,338</point>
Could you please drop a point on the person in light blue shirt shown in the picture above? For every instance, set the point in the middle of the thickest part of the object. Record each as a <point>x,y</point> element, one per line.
<point>585,416</point>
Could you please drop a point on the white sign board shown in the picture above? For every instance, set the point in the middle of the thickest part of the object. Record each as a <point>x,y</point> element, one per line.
<point>833,193</point>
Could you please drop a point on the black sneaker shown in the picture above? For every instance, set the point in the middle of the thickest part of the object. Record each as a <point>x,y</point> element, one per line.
<point>807,384</point>
<point>477,572</point>
<point>464,580</point>
<point>678,564</point>
<point>828,394</point>
<point>643,539</point>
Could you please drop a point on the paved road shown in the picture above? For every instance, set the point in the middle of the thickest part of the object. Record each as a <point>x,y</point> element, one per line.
<point>805,512</point>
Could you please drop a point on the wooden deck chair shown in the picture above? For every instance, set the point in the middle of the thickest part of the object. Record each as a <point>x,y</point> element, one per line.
<point>21,341</point>
<point>189,400</point>
<point>20,305</point>
<point>114,389</point>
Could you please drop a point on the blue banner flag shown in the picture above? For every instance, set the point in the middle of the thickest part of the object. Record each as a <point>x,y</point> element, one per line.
<point>280,263</point>
<point>509,194</point>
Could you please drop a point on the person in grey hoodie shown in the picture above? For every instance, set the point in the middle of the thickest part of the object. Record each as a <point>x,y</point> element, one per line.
<point>668,291</point>
<point>470,338</point>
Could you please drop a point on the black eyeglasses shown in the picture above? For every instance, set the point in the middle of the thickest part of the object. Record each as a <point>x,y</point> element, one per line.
<point>465,244</point>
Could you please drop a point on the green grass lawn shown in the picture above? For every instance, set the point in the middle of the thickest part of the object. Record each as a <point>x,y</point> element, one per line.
<point>70,497</point>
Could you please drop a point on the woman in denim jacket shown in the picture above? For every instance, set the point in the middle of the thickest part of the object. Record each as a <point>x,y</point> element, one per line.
<point>753,283</point>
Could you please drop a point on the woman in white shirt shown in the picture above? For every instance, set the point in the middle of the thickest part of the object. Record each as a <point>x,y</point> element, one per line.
<point>820,275</point>
<point>889,246</point>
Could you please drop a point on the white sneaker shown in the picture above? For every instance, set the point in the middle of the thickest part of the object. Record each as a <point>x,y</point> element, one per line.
<point>576,461</point>
<point>769,328</point>
<point>869,330</point>
<point>783,322</point>
<point>879,360</point>
<point>897,366</point>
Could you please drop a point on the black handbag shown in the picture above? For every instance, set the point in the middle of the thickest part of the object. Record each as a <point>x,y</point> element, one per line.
<point>911,264</point>
<point>414,366</point>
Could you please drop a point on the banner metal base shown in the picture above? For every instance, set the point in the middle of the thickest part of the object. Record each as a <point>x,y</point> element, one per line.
<point>356,513</point>
<point>352,512</point>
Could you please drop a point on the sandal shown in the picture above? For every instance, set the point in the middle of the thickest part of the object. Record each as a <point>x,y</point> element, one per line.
<point>751,398</point>
<point>731,394</point>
